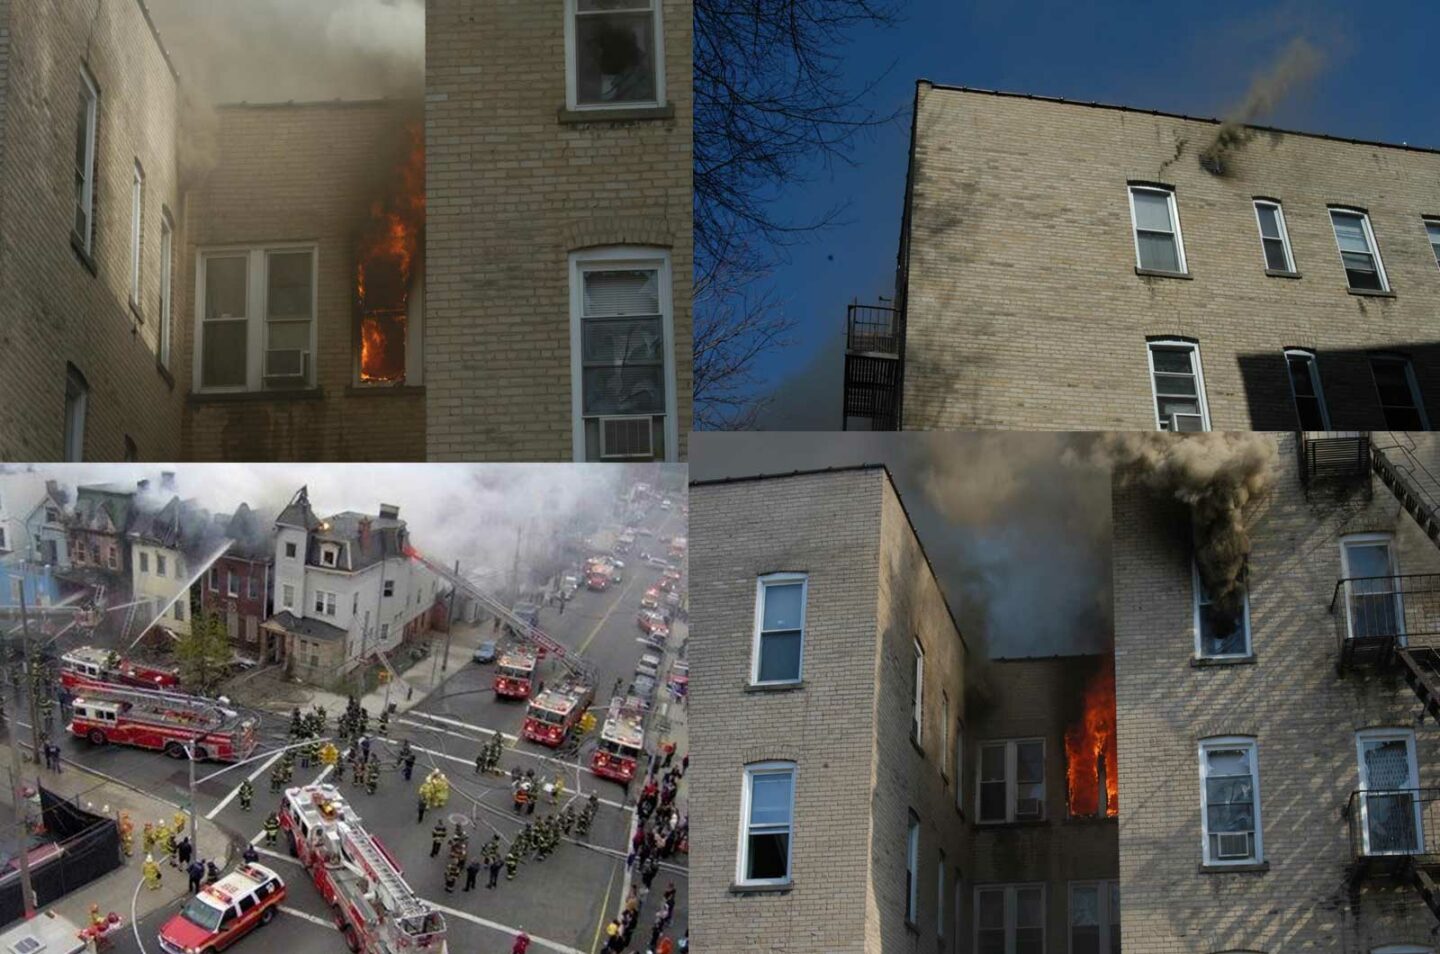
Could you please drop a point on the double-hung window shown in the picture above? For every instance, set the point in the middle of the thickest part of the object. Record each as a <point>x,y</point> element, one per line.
<point>622,359</point>
<point>779,629</point>
<point>86,123</point>
<point>257,319</point>
<point>1158,246</point>
<point>325,603</point>
<point>1304,372</point>
<point>1221,631</point>
<point>1010,919</point>
<point>912,871</point>
<point>917,696</point>
<point>1095,917</point>
<point>167,277</point>
<point>767,812</point>
<point>1274,238</point>
<point>1399,393</point>
<point>137,231</point>
<point>1178,385</point>
<point>1358,251</point>
<point>1010,783</point>
<point>1230,801</point>
<point>232,584</point>
<point>614,52</point>
<point>1391,812</point>
<point>77,397</point>
<point>1432,230</point>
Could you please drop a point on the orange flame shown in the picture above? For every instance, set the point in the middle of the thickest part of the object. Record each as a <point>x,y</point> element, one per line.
<point>1090,744</point>
<point>385,271</point>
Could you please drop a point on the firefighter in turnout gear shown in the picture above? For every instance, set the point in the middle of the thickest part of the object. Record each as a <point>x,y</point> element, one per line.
<point>567,819</point>
<point>152,873</point>
<point>384,726</point>
<point>147,837</point>
<point>127,834</point>
<point>582,824</point>
<point>437,837</point>
<point>272,830</point>
<point>452,874</point>
<point>372,776</point>
<point>247,795</point>
<point>277,779</point>
<point>287,767</point>
<point>512,861</point>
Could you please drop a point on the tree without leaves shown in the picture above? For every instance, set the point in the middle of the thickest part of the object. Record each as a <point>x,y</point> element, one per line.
<point>771,100</point>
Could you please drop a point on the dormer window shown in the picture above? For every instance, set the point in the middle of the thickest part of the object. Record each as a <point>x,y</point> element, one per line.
<point>329,554</point>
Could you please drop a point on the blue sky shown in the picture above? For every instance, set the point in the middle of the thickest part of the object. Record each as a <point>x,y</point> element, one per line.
<point>1381,81</point>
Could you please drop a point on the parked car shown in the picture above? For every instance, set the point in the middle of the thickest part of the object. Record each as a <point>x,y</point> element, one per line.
<point>643,687</point>
<point>225,911</point>
<point>485,652</point>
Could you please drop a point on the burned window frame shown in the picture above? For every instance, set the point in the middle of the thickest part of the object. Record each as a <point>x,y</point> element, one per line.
<point>622,258</point>
<point>257,290</point>
<point>1197,590</point>
<point>572,60</point>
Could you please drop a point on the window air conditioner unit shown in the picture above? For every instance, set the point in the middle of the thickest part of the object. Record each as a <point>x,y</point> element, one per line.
<point>286,364</point>
<point>1187,423</point>
<point>626,437</point>
<point>1028,808</point>
<point>1232,846</point>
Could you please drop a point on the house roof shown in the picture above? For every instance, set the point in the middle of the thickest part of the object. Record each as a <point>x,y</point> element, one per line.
<point>309,628</point>
<point>104,507</point>
<point>386,537</point>
<point>251,539</point>
<point>297,512</point>
<point>179,525</point>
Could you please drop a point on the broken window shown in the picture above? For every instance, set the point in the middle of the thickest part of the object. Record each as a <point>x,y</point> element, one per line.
<point>257,329</point>
<point>1157,230</point>
<point>1399,393</point>
<point>1230,801</point>
<point>621,355</point>
<point>1310,408</point>
<point>615,53</point>
<point>1358,253</point>
<point>1222,628</point>
<point>1178,386</point>
<point>85,128</point>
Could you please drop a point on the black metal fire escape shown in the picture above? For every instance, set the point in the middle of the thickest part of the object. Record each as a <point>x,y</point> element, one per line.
<point>872,368</point>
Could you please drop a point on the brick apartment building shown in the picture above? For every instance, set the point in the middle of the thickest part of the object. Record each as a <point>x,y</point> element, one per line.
<point>1074,266</point>
<point>239,585</point>
<point>288,300</point>
<point>559,230</point>
<point>838,807</point>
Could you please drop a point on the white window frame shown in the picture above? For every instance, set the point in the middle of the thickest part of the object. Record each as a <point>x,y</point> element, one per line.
<point>615,258</point>
<point>1012,779</point>
<point>917,696</point>
<point>256,301</point>
<point>761,584</point>
<point>329,555</point>
<point>167,289</point>
<point>1370,240</point>
<point>91,91</point>
<point>1312,363</point>
<point>1432,222</point>
<point>287,595</point>
<point>1384,735</point>
<point>325,602</point>
<point>1345,573</point>
<point>960,768</point>
<point>1196,588</point>
<point>912,870</point>
<point>572,68</point>
<point>1195,365</point>
<point>1284,236</point>
<point>232,583</point>
<point>77,398</point>
<point>1224,743</point>
<point>159,564</point>
<point>1410,379</point>
<point>1011,909</point>
<point>1103,890</point>
<point>1174,225</point>
<point>137,231</point>
<point>743,851</point>
<point>944,735</point>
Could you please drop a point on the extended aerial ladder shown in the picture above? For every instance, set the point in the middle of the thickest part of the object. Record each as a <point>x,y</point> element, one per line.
<point>568,658</point>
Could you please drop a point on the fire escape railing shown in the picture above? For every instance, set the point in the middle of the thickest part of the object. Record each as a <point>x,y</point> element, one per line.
<point>1376,615</point>
<point>872,329</point>
<point>1398,824</point>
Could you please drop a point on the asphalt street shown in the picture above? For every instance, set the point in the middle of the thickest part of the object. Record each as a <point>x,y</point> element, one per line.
<point>562,902</point>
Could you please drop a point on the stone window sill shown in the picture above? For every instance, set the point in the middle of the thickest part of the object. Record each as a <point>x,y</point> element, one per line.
<point>1161,273</point>
<point>1205,662</point>
<point>571,117</point>
<point>243,397</point>
<point>774,687</point>
<point>783,888</point>
<point>1277,273</point>
<point>1036,823</point>
<point>1370,293</point>
<point>380,390</point>
<point>1259,868</point>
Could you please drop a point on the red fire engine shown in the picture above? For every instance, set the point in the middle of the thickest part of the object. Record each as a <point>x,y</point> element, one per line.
<point>622,740</point>
<point>373,906</point>
<point>554,712</point>
<point>514,673</point>
<point>87,666</point>
<point>163,721</point>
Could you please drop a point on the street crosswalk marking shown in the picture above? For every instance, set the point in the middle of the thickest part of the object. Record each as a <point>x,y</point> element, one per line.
<point>307,916</point>
<point>496,926</point>
<point>236,790</point>
<point>456,758</point>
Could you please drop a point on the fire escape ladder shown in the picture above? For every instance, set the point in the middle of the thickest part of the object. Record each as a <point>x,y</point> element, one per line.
<point>1421,667</point>
<point>1423,878</point>
<point>1412,484</point>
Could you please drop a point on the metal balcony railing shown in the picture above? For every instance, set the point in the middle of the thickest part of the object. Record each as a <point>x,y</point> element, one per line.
<point>1395,824</point>
<point>1333,455</point>
<point>1375,615</point>
<point>872,329</point>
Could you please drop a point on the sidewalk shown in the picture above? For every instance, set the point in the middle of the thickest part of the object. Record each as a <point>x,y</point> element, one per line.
<point>276,693</point>
<point>103,796</point>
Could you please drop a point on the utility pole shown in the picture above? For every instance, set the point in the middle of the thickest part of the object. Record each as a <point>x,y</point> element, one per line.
<point>450,619</point>
<point>15,776</point>
<point>34,683</point>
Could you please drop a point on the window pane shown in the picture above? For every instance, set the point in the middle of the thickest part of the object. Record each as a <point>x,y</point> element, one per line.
<point>992,762</point>
<point>1360,271</point>
<point>1029,912</point>
<point>780,657</point>
<point>1030,761</point>
<point>1228,762</point>
<point>1300,375</point>
<point>992,801</point>
<point>612,342</point>
<point>223,363</point>
<point>1158,251</point>
<point>615,58</point>
<point>1085,906</point>
<point>990,910</point>
<point>225,281</point>
<point>635,389</point>
<point>622,293</point>
<point>1350,232</point>
<point>290,276</point>
<point>767,855</point>
<point>1433,228</point>
<point>1175,385</point>
<point>770,799</point>
<point>1030,941</point>
<point>782,606</point>
<point>1269,221</point>
<point>1152,211</point>
<point>1172,360</point>
<point>285,335</point>
<point>1275,255</point>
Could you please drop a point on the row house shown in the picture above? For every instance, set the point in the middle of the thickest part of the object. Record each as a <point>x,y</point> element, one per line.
<point>165,546</point>
<point>32,539</point>
<point>239,585</point>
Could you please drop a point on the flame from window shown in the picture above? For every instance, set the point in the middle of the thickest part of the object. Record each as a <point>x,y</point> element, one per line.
<point>1090,749</point>
<point>385,272</point>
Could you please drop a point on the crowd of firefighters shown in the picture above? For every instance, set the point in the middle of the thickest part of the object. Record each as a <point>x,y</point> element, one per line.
<point>170,840</point>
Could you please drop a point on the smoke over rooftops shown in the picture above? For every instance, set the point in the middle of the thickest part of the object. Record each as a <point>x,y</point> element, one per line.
<point>1297,65</point>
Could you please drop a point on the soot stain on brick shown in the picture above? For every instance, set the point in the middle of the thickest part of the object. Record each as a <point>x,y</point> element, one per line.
<point>1180,142</point>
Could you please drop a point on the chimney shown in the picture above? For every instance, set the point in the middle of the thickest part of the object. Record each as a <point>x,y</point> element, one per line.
<point>52,488</point>
<point>389,512</point>
<point>167,480</point>
<point>142,485</point>
<point>364,534</point>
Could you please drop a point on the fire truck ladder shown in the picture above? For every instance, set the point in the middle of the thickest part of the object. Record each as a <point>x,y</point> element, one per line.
<point>378,869</point>
<point>148,704</point>
<point>569,659</point>
<point>1417,489</point>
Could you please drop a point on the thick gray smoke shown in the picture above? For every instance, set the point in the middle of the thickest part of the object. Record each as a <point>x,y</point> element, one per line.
<point>1216,475</point>
<point>1297,64</point>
